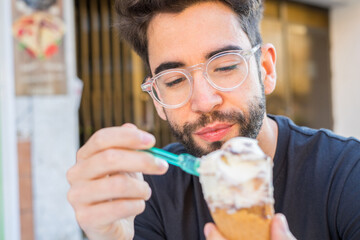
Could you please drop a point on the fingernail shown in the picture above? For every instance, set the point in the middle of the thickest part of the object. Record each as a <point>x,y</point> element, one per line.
<point>207,230</point>
<point>129,125</point>
<point>147,138</point>
<point>284,224</point>
<point>149,194</point>
<point>161,163</point>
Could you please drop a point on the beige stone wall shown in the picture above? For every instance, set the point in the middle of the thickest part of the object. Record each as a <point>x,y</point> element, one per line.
<point>345,55</point>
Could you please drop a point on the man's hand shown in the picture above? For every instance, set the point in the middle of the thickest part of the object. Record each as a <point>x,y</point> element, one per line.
<point>107,186</point>
<point>279,230</point>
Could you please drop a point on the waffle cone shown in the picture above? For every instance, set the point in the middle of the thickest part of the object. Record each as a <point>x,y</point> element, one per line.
<point>245,224</point>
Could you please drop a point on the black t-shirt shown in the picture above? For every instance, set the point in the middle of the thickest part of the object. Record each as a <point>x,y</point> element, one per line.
<point>316,186</point>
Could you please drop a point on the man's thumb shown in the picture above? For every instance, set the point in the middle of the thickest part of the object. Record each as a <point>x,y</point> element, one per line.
<point>280,228</point>
<point>211,232</point>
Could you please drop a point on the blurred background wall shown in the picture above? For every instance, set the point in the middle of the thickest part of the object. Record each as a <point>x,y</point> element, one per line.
<point>9,194</point>
<point>43,123</point>
<point>42,89</point>
<point>345,56</point>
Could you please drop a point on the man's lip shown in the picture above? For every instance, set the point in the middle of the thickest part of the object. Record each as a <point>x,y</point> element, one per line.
<point>212,128</point>
<point>214,132</point>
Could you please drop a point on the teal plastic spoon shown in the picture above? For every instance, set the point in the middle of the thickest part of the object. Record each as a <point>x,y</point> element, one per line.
<point>186,162</point>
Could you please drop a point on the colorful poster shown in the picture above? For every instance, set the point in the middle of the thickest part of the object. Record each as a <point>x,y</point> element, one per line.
<point>39,51</point>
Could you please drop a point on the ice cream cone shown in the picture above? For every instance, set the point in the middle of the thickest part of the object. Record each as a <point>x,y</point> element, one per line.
<point>245,224</point>
<point>237,186</point>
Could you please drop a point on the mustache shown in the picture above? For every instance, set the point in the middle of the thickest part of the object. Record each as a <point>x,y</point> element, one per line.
<point>249,125</point>
<point>205,119</point>
<point>184,135</point>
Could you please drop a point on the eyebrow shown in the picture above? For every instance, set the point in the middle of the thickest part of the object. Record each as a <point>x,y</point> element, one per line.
<point>170,65</point>
<point>226,48</point>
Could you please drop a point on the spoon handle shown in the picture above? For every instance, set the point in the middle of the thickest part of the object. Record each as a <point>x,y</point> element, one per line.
<point>186,162</point>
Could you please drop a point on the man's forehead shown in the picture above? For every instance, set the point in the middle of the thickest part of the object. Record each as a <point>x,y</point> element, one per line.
<point>194,15</point>
<point>199,29</point>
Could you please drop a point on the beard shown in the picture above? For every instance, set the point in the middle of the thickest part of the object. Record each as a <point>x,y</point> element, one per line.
<point>250,124</point>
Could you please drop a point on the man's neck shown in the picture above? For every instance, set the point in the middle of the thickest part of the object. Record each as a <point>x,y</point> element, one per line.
<point>268,136</point>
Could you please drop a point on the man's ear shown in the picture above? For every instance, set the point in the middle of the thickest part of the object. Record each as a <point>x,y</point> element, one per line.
<point>160,110</point>
<point>268,67</point>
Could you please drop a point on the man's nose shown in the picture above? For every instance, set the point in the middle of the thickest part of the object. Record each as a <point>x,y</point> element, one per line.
<point>204,98</point>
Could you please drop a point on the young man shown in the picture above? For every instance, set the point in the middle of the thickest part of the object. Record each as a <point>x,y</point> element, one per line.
<point>208,77</point>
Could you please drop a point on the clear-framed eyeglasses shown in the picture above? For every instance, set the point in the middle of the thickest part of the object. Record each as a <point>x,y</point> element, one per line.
<point>224,71</point>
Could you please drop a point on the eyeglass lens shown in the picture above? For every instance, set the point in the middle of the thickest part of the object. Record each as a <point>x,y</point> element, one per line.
<point>225,72</point>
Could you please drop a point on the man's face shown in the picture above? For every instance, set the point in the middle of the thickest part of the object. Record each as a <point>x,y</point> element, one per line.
<point>210,117</point>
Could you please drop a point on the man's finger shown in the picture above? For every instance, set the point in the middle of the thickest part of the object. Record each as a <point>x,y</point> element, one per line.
<point>116,137</point>
<point>108,212</point>
<point>280,228</point>
<point>120,186</point>
<point>212,233</point>
<point>115,160</point>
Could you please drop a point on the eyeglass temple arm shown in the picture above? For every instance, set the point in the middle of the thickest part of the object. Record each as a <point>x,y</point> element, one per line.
<point>146,86</point>
<point>252,51</point>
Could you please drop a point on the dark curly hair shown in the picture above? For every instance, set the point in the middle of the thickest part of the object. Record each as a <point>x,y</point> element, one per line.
<point>135,15</point>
